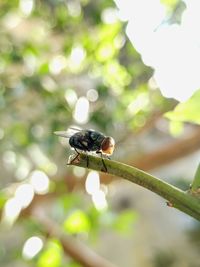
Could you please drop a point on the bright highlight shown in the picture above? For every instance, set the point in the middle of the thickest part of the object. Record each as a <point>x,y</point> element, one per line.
<point>40,182</point>
<point>81,112</point>
<point>93,188</point>
<point>32,247</point>
<point>171,49</point>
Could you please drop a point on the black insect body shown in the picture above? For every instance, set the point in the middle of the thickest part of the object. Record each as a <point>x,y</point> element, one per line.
<point>90,140</point>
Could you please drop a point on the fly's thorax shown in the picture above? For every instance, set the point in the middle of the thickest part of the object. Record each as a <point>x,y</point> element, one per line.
<point>108,145</point>
<point>86,140</point>
<point>95,140</point>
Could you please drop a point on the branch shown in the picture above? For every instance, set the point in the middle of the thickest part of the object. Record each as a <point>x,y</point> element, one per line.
<point>176,197</point>
<point>170,152</point>
<point>71,246</point>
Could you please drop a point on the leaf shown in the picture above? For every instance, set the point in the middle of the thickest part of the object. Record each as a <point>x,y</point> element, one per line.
<point>77,222</point>
<point>176,128</point>
<point>125,221</point>
<point>3,199</point>
<point>187,111</point>
<point>51,256</point>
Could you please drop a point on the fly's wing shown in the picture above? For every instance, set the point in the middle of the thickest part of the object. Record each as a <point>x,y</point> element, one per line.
<point>74,128</point>
<point>67,134</point>
<point>62,134</point>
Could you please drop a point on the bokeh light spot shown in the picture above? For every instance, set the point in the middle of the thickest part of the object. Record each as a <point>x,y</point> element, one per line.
<point>24,194</point>
<point>92,183</point>
<point>92,95</point>
<point>40,182</point>
<point>81,112</point>
<point>32,247</point>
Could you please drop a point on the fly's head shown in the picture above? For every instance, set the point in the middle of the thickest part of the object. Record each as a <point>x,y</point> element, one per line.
<point>108,145</point>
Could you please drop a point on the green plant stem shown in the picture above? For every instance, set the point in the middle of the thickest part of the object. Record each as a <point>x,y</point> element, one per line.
<point>196,182</point>
<point>177,198</point>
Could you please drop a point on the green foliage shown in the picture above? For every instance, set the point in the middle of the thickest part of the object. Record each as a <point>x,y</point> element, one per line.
<point>176,128</point>
<point>125,222</point>
<point>3,199</point>
<point>187,111</point>
<point>51,256</point>
<point>77,222</point>
<point>170,3</point>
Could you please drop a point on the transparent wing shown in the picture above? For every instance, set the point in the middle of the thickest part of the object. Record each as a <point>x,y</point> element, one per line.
<point>70,131</point>
<point>76,129</point>
<point>63,134</point>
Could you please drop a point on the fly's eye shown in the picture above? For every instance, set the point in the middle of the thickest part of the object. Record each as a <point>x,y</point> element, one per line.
<point>108,145</point>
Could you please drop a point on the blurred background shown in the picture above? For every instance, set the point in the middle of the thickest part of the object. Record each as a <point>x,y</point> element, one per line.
<point>128,72</point>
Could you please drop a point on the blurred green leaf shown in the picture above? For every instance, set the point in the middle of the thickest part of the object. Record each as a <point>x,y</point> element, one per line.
<point>170,3</point>
<point>19,132</point>
<point>125,221</point>
<point>69,200</point>
<point>105,52</point>
<point>106,48</point>
<point>187,111</point>
<point>51,256</point>
<point>116,76</point>
<point>77,222</point>
<point>3,199</point>
<point>176,128</point>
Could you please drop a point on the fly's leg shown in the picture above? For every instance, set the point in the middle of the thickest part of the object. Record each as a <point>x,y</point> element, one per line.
<point>104,165</point>
<point>87,159</point>
<point>84,148</point>
<point>76,157</point>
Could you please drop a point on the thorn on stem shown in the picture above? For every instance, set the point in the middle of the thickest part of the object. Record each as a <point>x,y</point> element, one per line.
<point>73,159</point>
<point>169,204</point>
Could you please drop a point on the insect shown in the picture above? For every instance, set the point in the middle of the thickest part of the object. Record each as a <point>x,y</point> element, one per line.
<point>90,140</point>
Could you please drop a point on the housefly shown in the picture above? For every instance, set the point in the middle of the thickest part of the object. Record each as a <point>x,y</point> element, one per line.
<point>90,140</point>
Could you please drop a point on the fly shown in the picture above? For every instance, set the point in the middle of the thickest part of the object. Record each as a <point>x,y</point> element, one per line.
<point>90,140</point>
